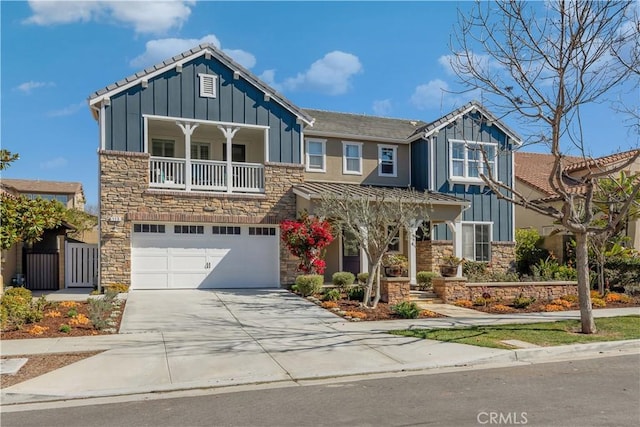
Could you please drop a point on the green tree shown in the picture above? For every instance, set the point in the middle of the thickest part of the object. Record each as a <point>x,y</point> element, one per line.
<point>25,220</point>
<point>6,158</point>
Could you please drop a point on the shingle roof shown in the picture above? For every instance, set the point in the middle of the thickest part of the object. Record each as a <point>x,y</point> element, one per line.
<point>468,106</point>
<point>223,58</point>
<point>360,125</point>
<point>314,190</point>
<point>37,186</point>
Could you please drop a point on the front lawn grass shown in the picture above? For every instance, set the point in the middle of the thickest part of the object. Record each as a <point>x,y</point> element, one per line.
<point>542,334</point>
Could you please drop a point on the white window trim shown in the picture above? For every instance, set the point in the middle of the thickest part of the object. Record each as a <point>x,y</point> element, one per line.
<point>345,171</point>
<point>324,155</point>
<point>198,144</point>
<point>163,139</point>
<point>474,223</point>
<point>395,160</point>
<point>466,180</point>
<point>203,77</point>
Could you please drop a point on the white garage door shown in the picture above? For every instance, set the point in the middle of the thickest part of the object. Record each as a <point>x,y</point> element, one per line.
<point>204,256</point>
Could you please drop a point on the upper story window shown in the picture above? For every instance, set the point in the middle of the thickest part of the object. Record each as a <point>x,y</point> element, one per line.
<point>208,85</point>
<point>238,153</point>
<point>316,155</point>
<point>467,161</point>
<point>387,160</point>
<point>476,241</point>
<point>352,158</point>
<point>200,150</point>
<point>162,148</point>
<point>62,198</point>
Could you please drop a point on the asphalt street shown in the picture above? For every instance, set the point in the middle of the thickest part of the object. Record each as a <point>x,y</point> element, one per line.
<point>593,392</point>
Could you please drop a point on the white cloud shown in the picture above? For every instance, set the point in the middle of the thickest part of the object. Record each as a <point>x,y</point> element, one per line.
<point>331,74</point>
<point>430,95</point>
<point>68,110</point>
<point>28,87</point>
<point>481,61</point>
<point>55,163</point>
<point>160,49</point>
<point>144,16</point>
<point>269,77</point>
<point>382,107</point>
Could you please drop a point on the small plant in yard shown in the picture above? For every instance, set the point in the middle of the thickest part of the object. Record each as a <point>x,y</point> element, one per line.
<point>523,302</point>
<point>424,279</point>
<point>329,304</point>
<point>616,297</point>
<point>561,302</point>
<point>598,302</point>
<point>481,301</point>
<point>553,307</point>
<point>79,320</point>
<point>501,308</point>
<point>595,294</point>
<point>355,293</point>
<point>68,304</point>
<point>19,308</point>
<point>355,315</point>
<point>465,303</point>
<point>331,295</point>
<point>72,313</point>
<point>573,299</point>
<point>406,310</point>
<point>307,238</point>
<point>65,329</point>
<point>307,284</point>
<point>362,278</point>
<point>428,313</point>
<point>118,288</point>
<point>53,313</point>
<point>343,279</point>
<point>37,330</point>
<point>99,309</point>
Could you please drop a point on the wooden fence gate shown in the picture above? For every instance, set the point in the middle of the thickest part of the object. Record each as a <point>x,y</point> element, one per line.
<point>81,264</point>
<point>41,272</point>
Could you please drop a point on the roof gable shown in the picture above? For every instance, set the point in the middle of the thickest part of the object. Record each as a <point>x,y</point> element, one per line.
<point>207,50</point>
<point>45,187</point>
<point>443,121</point>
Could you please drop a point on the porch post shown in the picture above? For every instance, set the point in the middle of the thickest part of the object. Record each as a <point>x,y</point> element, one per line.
<point>266,145</point>
<point>187,130</point>
<point>229,133</point>
<point>364,261</point>
<point>456,230</point>
<point>412,229</point>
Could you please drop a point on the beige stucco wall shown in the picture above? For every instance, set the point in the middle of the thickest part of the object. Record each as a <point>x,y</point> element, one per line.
<point>334,164</point>
<point>125,193</point>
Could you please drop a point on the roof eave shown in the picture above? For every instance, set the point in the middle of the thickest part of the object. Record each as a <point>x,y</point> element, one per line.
<point>317,133</point>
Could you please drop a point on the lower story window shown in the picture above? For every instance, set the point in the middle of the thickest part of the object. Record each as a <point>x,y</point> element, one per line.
<point>476,242</point>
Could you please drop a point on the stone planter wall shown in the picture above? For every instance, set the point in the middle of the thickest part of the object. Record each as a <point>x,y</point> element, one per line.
<point>429,252</point>
<point>394,290</point>
<point>125,194</point>
<point>450,289</point>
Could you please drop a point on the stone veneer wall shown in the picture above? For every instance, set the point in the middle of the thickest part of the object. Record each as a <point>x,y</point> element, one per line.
<point>450,289</point>
<point>125,193</point>
<point>394,290</point>
<point>429,252</point>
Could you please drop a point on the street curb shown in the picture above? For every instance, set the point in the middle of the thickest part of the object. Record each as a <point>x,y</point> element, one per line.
<point>536,354</point>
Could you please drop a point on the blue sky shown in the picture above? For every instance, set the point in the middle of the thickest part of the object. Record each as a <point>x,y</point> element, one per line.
<point>378,58</point>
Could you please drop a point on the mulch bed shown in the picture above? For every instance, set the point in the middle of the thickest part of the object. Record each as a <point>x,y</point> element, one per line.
<point>540,306</point>
<point>382,312</point>
<point>52,324</point>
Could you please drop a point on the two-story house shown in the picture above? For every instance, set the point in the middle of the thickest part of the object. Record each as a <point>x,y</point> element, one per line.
<point>200,161</point>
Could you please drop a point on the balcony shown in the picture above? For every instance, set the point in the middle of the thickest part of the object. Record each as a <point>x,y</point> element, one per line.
<point>205,175</point>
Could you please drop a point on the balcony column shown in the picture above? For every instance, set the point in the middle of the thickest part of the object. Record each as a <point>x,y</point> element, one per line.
<point>412,230</point>
<point>456,230</point>
<point>187,130</point>
<point>229,132</point>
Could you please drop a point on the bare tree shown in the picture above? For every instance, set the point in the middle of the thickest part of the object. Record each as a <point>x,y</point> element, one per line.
<point>375,221</point>
<point>542,62</point>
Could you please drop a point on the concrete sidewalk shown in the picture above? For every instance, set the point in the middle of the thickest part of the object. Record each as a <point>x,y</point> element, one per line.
<point>296,343</point>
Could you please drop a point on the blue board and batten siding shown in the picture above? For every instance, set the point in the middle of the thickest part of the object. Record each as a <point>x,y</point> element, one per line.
<point>485,206</point>
<point>176,94</point>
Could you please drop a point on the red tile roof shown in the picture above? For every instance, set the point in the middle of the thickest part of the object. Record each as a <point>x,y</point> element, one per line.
<point>534,169</point>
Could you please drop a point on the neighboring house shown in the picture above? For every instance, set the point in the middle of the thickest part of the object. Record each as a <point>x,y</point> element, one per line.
<point>42,264</point>
<point>200,161</point>
<point>532,181</point>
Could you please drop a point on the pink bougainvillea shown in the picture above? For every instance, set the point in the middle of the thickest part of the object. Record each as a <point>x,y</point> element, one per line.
<point>307,238</point>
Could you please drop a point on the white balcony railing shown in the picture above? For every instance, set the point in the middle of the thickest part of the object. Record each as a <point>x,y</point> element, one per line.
<point>206,175</point>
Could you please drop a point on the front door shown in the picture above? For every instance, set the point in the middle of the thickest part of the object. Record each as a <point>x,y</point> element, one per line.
<point>350,253</point>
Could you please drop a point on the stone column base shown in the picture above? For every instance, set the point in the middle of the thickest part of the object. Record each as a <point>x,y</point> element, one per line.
<point>394,290</point>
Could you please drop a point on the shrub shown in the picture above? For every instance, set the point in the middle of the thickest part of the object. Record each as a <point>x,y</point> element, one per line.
<point>355,293</point>
<point>356,315</point>
<point>595,294</point>
<point>632,290</point>
<point>564,272</point>
<point>473,269</point>
<point>19,308</point>
<point>99,309</point>
<point>553,307</point>
<point>331,295</point>
<point>623,271</point>
<point>68,304</point>
<point>308,284</point>
<point>363,277</point>
<point>37,330</point>
<point>406,310</point>
<point>65,329</point>
<point>425,278</point>
<point>117,288</point>
<point>561,302</point>
<point>501,308</point>
<point>528,249</point>
<point>523,302</point>
<point>329,304</point>
<point>343,279</point>
<point>573,299</point>
<point>21,292</point>
<point>481,301</point>
<point>598,302</point>
<point>4,316</point>
<point>463,303</point>
<point>72,313</point>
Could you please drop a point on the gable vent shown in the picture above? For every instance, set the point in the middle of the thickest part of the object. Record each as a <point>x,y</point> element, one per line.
<point>208,85</point>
